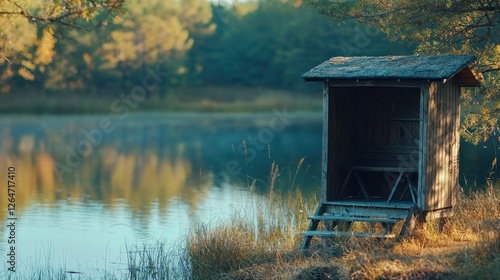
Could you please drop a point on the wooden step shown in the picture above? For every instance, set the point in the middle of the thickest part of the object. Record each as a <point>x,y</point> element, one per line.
<point>353,219</point>
<point>327,233</point>
<point>374,204</point>
<point>359,211</point>
<point>368,209</point>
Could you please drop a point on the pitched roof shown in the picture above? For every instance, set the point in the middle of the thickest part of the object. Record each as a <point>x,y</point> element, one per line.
<point>413,67</point>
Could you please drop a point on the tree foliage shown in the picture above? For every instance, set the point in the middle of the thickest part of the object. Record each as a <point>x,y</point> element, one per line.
<point>62,13</point>
<point>29,31</point>
<point>452,26</point>
<point>265,43</point>
<point>273,42</point>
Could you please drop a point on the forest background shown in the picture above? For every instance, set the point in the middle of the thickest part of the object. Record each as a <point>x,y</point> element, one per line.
<point>212,56</point>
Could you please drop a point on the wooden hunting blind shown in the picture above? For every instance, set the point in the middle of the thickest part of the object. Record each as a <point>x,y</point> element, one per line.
<point>390,140</point>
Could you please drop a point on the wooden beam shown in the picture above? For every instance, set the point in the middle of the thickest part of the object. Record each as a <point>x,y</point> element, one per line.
<point>345,182</point>
<point>352,219</point>
<point>313,225</point>
<point>360,182</point>
<point>410,187</point>
<point>407,225</point>
<point>376,83</point>
<point>381,169</point>
<point>396,119</point>
<point>395,187</point>
<point>405,205</point>
<point>324,233</point>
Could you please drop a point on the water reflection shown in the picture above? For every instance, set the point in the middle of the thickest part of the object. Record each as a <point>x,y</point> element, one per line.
<point>138,173</point>
<point>140,161</point>
<point>137,177</point>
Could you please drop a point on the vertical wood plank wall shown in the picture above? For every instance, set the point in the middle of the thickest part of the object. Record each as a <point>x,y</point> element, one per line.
<point>443,120</point>
<point>455,159</point>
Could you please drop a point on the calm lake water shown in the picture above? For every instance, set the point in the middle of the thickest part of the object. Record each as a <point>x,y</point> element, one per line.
<point>89,186</point>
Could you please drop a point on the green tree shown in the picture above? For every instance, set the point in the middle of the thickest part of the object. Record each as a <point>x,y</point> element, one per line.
<point>271,43</point>
<point>453,26</point>
<point>151,33</point>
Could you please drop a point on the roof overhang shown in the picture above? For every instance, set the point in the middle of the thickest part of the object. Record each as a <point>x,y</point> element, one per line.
<point>465,77</point>
<point>399,68</point>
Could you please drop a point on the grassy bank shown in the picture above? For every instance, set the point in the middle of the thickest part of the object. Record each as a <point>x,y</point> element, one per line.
<point>261,241</point>
<point>210,99</point>
<point>263,244</point>
<point>467,248</point>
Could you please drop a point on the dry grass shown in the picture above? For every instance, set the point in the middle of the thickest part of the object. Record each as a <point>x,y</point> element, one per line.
<point>264,245</point>
<point>253,241</point>
<point>156,262</point>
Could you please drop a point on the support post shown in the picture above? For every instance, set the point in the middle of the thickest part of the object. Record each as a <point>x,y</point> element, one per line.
<point>422,147</point>
<point>324,161</point>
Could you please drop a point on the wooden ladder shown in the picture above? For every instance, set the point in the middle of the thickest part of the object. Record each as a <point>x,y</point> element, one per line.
<point>339,216</point>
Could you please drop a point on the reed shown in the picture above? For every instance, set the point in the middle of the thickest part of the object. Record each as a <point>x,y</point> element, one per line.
<point>156,261</point>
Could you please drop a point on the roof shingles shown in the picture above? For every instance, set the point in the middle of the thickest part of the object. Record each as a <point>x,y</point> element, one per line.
<point>428,67</point>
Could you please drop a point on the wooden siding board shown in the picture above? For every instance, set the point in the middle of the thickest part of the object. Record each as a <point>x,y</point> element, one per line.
<point>432,153</point>
<point>454,91</point>
<point>450,116</point>
<point>422,174</point>
<point>433,142</point>
<point>449,160</point>
<point>452,105</point>
<point>333,180</point>
<point>440,187</point>
<point>441,146</point>
<point>445,172</point>
<point>455,143</point>
<point>324,156</point>
<point>447,111</point>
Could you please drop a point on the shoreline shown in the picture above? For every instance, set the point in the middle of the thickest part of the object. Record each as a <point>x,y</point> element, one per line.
<point>208,100</point>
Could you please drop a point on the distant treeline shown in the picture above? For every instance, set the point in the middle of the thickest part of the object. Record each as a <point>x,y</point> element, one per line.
<point>191,43</point>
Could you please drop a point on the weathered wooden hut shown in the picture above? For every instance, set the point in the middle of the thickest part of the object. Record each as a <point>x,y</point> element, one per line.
<point>390,140</point>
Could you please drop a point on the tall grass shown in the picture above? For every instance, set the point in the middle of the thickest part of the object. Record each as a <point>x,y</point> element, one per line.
<point>265,233</point>
<point>466,247</point>
<point>261,241</point>
<point>156,261</point>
